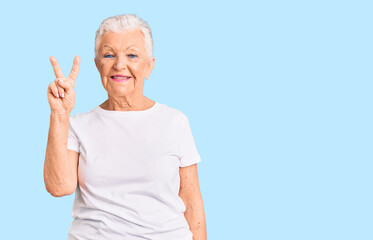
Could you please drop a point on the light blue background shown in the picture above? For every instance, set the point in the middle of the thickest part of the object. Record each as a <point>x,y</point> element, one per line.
<point>278,94</point>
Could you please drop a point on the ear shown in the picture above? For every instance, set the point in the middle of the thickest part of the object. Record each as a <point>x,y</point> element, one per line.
<point>150,66</point>
<point>96,62</point>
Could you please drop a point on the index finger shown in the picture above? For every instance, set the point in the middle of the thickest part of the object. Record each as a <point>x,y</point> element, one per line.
<point>56,68</point>
<point>75,69</point>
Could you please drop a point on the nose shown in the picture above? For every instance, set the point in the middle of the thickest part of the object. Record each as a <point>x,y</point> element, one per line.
<point>120,62</point>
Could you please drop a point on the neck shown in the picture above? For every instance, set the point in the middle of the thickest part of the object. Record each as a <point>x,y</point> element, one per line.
<point>123,104</point>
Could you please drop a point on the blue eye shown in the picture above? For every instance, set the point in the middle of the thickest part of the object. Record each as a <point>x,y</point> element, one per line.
<point>132,55</point>
<point>107,55</point>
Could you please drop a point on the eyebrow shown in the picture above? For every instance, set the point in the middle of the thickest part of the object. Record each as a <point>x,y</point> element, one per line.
<point>105,45</point>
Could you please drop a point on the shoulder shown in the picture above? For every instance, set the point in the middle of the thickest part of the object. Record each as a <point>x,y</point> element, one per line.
<point>173,112</point>
<point>83,117</point>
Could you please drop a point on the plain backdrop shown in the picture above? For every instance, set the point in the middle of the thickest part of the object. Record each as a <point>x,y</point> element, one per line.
<point>278,94</point>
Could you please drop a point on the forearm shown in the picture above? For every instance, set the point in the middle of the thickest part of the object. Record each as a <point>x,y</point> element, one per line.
<point>56,166</point>
<point>195,216</point>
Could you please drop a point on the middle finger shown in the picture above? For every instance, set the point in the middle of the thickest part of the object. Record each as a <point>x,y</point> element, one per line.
<point>56,67</point>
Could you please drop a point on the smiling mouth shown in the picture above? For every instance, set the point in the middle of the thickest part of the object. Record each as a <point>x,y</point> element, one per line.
<point>120,77</point>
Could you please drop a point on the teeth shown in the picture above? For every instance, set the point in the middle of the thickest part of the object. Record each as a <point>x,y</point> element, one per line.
<point>121,77</point>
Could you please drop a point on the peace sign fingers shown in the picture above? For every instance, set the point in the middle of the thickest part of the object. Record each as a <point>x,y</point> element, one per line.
<point>75,69</point>
<point>61,94</point>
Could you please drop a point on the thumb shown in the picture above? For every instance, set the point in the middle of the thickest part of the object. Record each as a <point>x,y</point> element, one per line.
<point>63,83</point>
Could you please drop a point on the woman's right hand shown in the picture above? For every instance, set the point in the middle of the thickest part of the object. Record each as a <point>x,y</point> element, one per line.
<point>61,95</point>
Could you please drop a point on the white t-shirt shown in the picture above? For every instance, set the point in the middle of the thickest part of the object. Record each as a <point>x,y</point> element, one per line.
<point>128,174</point>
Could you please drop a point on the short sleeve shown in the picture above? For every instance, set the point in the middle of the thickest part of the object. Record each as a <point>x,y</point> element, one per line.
<point>189,153</point>
<point>72,139</point>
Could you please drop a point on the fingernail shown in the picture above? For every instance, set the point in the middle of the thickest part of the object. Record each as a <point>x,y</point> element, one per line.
<point>58,95</point>
<point>63,95</point>
<point>60,80</point>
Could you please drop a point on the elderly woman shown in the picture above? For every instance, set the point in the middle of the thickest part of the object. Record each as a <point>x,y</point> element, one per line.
<point>131,161</point>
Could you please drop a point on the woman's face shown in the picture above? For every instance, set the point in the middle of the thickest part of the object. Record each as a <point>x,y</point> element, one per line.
<point>123,54</point>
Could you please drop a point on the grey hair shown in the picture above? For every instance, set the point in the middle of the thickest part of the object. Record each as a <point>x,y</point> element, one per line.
<point>121,23</point>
